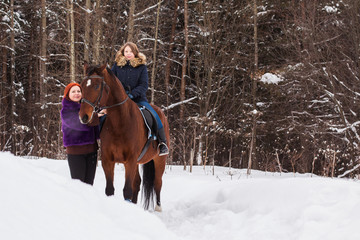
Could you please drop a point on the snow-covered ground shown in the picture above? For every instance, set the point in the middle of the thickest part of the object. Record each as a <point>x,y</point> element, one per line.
<point>39,201</point>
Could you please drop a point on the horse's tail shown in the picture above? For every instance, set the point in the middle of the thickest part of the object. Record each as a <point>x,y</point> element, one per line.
<point>148,184</point>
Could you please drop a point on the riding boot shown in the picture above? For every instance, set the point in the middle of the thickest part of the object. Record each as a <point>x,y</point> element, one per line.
<point>163,148</point>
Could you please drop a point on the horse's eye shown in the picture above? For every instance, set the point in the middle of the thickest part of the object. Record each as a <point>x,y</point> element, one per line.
<point>96,87</point>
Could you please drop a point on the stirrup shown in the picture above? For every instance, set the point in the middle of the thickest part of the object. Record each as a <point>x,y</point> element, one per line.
<point>165,147</point>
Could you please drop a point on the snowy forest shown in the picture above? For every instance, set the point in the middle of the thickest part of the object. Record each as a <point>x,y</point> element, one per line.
<point>271,85</point>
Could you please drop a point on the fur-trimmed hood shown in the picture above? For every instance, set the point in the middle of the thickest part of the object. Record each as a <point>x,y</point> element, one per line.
<point>135,62</point>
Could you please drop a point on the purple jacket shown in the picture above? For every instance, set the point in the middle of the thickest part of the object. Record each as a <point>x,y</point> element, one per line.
<point>74,132</point>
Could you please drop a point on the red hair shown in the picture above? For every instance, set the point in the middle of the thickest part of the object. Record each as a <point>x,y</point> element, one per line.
<point>68,88</point>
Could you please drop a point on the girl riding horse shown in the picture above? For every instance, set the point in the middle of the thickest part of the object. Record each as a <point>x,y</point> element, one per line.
<point>131,70</point>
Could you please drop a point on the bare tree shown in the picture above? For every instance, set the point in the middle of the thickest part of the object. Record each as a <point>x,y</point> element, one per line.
<point>96,33</point>
<point>3,90</point>
<point>87,31</point>
<point>153,71</point>
<point>183,84</point>
<point>72,42</point>
<point>12,77</point>
<point>254,114</point>
<point>184,60</point>
<point>43,56</point>
<point>170,51</point>
<point>130,37</point>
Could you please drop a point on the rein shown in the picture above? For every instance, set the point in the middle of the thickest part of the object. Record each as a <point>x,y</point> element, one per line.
<point>96,105</point>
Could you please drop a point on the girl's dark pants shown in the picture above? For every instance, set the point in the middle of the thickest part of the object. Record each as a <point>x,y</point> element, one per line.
<point>83,167</point>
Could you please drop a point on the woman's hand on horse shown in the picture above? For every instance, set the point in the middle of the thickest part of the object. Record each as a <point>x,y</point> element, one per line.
<point>102,113</point>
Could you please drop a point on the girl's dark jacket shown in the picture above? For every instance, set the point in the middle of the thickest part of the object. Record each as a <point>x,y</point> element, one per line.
<point>76,134</point>
<point>133,75</point>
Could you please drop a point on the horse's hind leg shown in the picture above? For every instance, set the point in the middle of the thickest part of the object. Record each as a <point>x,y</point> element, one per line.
<point>108,167</point>
<point>159,171</point>
<point>136,185</point>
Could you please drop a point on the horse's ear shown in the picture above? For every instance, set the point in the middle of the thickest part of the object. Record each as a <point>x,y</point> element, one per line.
<point>103,67</point>
<point>86,65</point>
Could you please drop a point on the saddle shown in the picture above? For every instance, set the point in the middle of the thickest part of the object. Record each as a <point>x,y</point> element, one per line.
<point>150,122</point>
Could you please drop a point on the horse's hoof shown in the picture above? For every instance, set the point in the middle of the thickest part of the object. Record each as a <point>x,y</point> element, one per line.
<point>158,208</point>
<point>109,191</point>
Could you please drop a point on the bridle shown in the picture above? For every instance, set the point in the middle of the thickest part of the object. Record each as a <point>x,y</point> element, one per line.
<point>96,105</point>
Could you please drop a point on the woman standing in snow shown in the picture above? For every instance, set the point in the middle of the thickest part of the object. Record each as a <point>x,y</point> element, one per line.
<point>79,140</point>
<point>130,69</point>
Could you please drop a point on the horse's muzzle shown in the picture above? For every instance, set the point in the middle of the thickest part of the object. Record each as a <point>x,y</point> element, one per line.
<point>84,119</point>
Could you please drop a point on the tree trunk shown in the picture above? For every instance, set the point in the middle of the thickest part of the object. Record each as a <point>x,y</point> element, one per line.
<point>87,31</point>
<point>230,151</point>
<point>213,158</point>
<point>43,53</point>
<point>184,62</point>
<point>72,42</point>
<point>96,34</point>
<point>252,153</point>
<point>33,91</point>
<point>184,148</point>
<point>170,52</point>
<point>130,37</point>
<point>154,55</point>
<point>12,78</point>
<point>183,74</point>
<point>333,164</point>
<point>192,155</point>
<point>4,93</point>
<point>205,157</point>
<point>43,75</point>
<point>278,162</point>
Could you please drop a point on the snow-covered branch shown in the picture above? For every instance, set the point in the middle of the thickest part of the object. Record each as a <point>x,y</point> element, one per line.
<point>179,103</point>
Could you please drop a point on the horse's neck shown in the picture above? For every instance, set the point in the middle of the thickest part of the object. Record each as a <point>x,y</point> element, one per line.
<point>124,120</point>
<point>117,92</point>
<point>116,97</point>
<point>122,117</point>
<point>119,95</point>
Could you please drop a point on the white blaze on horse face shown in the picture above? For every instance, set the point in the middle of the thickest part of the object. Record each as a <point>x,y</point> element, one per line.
<point>88,82</point>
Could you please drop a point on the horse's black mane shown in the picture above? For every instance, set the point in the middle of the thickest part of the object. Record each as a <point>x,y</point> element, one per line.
<point>93,69</point>
<point>96,69</point>
<point>110,72</point>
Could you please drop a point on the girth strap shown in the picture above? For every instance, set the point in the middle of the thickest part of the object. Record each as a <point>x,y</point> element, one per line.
<point>145,148</point>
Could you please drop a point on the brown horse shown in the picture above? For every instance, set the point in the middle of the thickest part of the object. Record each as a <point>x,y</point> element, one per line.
<point>123,135</point>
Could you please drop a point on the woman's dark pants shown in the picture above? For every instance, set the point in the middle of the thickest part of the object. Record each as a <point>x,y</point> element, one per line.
<point>83,167</point>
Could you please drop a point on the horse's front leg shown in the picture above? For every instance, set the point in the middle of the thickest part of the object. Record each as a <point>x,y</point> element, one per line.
<point>108,167</point>
<point>130,172</point>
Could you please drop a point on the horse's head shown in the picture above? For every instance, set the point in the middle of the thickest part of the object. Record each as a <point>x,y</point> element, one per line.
<point>95,92</point>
